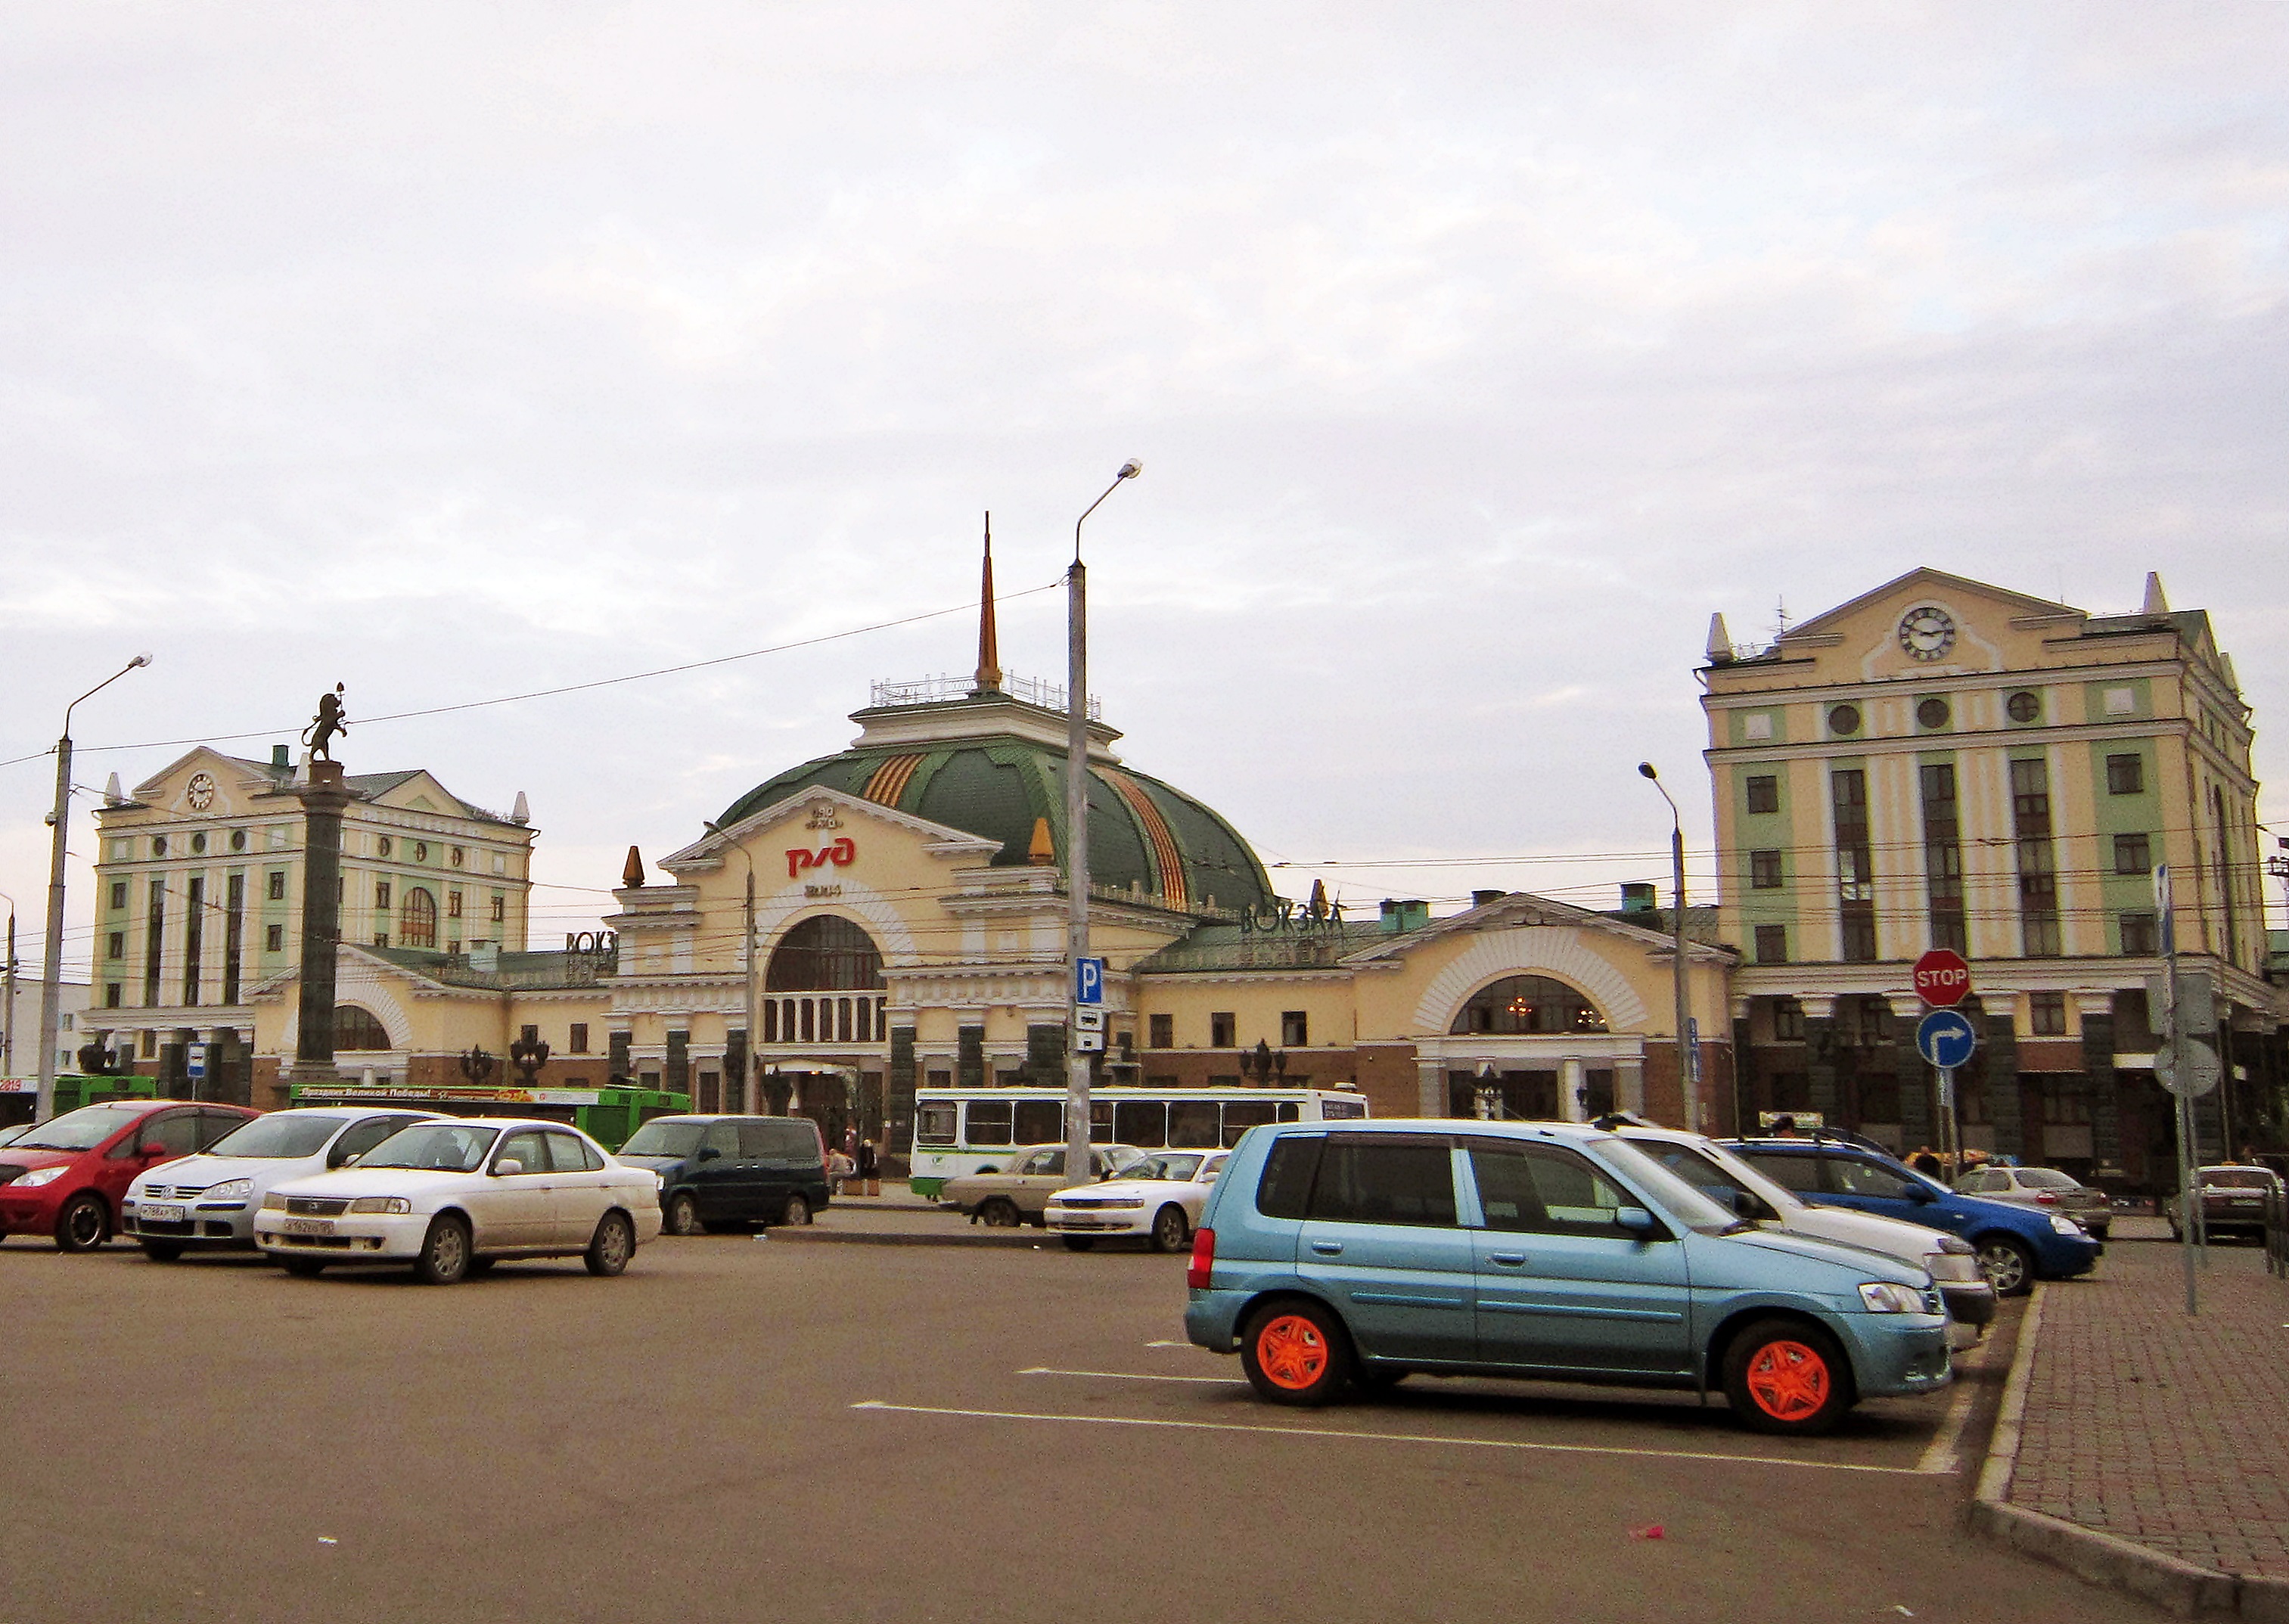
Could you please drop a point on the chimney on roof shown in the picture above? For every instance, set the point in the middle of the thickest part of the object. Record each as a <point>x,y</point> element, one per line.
<point>1480,899</point>
<point>1720,642</point>
<point>2155,603</point>
<point>282,757</point>
<point>1637,897</point>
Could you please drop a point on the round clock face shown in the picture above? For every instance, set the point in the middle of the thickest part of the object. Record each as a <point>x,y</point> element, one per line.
<point>202,788</point>
<point>1928,633</point>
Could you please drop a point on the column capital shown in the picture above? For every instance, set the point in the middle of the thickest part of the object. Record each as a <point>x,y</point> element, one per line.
<point>2094,1001</point>
<point>1818,1006</point>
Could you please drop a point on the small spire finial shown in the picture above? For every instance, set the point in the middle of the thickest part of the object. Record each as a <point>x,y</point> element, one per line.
<point>631,874</point>
<point>1721,641</point>
<point>2155,603</point>
<point>1043,851</point>
<point>989,646</point>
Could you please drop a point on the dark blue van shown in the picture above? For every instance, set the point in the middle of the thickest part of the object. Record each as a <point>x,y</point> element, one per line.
<point>725,1172</point>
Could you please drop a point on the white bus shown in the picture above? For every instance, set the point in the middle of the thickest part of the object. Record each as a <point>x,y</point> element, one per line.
<point>974,1130</point>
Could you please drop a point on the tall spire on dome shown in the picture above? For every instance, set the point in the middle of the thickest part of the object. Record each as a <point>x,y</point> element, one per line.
<point>989,650</point>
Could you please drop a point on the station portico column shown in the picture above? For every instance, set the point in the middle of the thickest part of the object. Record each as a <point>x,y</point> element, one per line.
<point>1629,1085</point>
<point>1569,1089</point>
<point>1431,1087</point>
<point>1820,1052</point>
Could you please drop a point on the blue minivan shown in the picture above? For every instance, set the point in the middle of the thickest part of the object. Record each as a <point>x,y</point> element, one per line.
<point>2017,1245</point>
<point>1336,1253</point>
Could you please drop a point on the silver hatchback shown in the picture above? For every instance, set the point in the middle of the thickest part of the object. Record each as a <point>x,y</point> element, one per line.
<point>2046,1188</point>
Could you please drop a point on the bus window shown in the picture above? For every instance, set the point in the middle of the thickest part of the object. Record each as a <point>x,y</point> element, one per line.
<point>1291,1111</point>
<point>934,1124</point>
<point>1192,1125</point>
<point>988,1122</point>
<point>1100,1122</point>
<point>1143,1123</point>
<point>1239,1118</point>
<point>1039,1121</point>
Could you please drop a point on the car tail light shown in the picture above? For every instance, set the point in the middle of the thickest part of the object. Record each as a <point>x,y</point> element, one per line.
<point>1203,1258</point>
<point>2045,1198</point>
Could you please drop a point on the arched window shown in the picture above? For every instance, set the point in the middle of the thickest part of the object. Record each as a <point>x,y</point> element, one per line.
<point>358,1029</point>
<point>1519,1005</point>
<point>417,920</point>
<point>824,954</point>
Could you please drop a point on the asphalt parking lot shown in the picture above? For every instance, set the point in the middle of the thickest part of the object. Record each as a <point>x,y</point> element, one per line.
<point>744,1429</point>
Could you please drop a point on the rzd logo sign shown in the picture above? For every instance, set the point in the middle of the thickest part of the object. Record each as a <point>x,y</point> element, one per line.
<point>841,855</point>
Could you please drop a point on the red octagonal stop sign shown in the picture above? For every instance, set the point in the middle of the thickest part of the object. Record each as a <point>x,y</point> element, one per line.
<point>1942,977</point>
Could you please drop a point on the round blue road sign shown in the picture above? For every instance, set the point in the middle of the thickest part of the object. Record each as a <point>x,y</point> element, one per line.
<point>1946,1039</point>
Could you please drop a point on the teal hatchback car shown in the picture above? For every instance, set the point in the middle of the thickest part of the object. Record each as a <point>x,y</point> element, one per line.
<point>1334,1254</point>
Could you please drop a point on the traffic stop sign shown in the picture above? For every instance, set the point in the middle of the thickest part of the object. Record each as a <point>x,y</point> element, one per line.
<point>1943,979</point>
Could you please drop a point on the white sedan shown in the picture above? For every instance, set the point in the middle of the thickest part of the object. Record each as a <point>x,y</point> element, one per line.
<point>454,1196</point>
<point>1159,1197</point>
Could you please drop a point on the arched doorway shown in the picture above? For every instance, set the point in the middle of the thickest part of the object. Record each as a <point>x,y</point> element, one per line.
<point>823,990</point>
<point>1533,1072</point>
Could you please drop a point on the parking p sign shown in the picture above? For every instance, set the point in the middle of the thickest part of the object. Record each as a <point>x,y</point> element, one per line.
<point>1088,981</point>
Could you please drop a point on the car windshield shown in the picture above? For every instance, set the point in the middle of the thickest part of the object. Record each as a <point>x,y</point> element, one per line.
<point>2238,1178</point>
<point>434,1147</point>
<point>1683,1203</point>
<point>83,1129</point>
<point>277,1137</point>
<point>1162,1168</point>
<point>2046,1178</point>
<point>1713,1168</point>
<point>665,1139</point>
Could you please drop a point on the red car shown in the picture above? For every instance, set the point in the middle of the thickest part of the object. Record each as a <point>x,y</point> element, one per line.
<point>65,1178</point>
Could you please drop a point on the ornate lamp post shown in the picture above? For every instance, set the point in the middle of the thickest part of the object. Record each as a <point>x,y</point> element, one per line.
<point>477,1066</point>
<point>529,1054</point>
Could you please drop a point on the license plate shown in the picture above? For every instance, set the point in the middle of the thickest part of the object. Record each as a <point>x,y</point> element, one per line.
<point>309,1226</point>
<point>155,1214</point>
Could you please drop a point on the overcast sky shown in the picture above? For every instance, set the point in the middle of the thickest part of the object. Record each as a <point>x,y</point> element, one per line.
<point>1475,354</point>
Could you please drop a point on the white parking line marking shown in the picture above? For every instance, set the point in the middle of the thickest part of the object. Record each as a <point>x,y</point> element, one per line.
<point>1939,1459</point>
<point>1123,1375</point>
<point>1168,1342</point>
<point>887,1407</point>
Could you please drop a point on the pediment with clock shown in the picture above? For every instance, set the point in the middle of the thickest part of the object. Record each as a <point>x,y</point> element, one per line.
<point>207,783</point>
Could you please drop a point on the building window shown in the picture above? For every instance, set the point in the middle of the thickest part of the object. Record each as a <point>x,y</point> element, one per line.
<point>577,1043</point>
<point>199,841</point>
<point>358,1029</point>
<point>116,945</point>
<point>2066,1105</point>
<point>1855,867</point>
<point>111,995</point>
<point>2140,936</point>
<point>2131,855</point>
<point>1223,1028</point>
<point>2126,775</point>
<point>453,905</point>
<point>274,939</point>
<point>2024,706</point>
<point>277,886</point>
<point>417,920</point>
<point>118,894</point>
<point>381,847</point>
<point>2038,879</point>
<point>238,840</point>
<point>381,938</point>
<point>194,920</point>
<point>1519,1006</point>
<point>1943,857</point>
<point>2048,1014</point>
<point>381,894</point>
<point>824,953</point>
<point>1843,720</point>
<point>1161,1031</point>
<point>1788,1019</point>
<point>1765,792</point>
<point>1933,714</point>
<point>422,851</point>
<point>500,908</point>
<point>1772,944</point>
<point>1764,869</point>
<point>1294,1028</point>
<point>455,856</point>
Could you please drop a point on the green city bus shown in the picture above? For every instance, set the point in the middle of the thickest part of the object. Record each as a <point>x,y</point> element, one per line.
<point>606,1115</point>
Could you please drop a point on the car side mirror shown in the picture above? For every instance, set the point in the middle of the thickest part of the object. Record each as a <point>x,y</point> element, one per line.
<point>1921,1194</point>
<point>154,1147</point>
<point>708,1153</point>
<point>342,1159</point>
<point>506,1166</point>
<point>1636,1221</point>
<point>1747,1204</point>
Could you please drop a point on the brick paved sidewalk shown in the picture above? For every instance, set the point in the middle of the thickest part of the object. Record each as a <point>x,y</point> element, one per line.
<point>2145,1424</point>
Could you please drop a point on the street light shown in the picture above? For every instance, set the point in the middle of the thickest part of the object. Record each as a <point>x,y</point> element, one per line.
<point>8,1032</point>
<point>1687,1061</point>
<point>52,973</point>
<point>1077,832</point>
<point>755,1027</point>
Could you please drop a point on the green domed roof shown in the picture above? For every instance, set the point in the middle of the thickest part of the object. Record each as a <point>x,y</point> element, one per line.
<point>1142,833</point>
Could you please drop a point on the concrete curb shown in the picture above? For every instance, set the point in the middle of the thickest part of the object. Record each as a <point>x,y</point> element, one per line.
<point>2175,1585</point>
<point>980,1236</point>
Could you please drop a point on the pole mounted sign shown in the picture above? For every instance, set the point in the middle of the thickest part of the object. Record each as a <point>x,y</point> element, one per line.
<point>1943,978</point>
<point>1088,981</point>
<point>1946,1039</point>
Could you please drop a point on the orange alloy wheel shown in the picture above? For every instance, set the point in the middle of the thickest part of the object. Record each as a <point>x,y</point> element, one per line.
<point>1789,1380</point>
<point>1291,1352</point>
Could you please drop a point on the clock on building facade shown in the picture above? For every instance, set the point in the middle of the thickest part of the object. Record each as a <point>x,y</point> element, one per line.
<point>1928,633</point>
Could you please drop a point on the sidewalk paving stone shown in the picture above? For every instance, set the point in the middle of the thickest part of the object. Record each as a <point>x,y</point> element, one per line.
<point>2145,1424</point>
